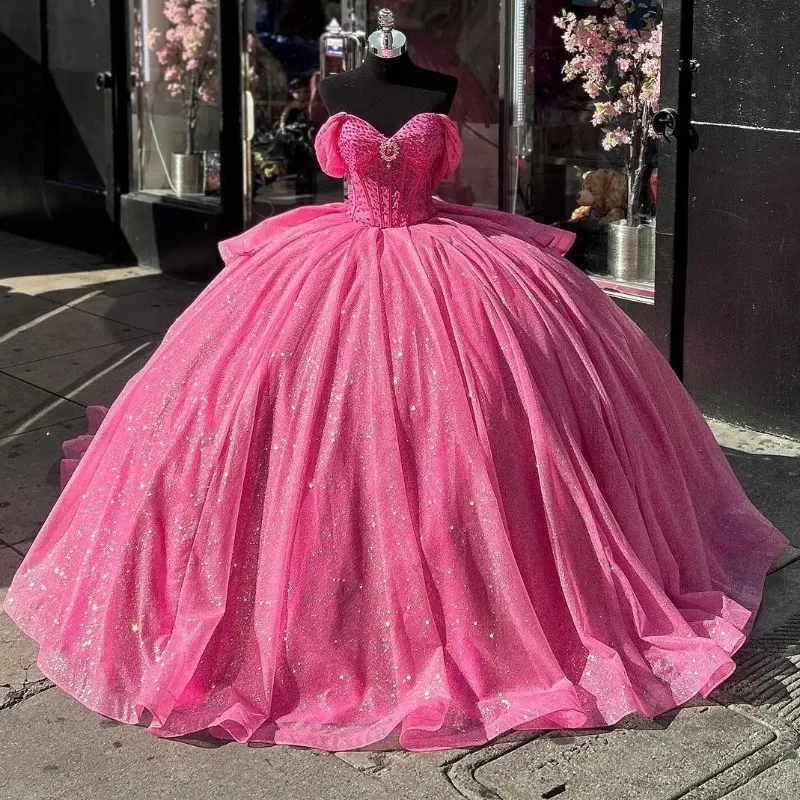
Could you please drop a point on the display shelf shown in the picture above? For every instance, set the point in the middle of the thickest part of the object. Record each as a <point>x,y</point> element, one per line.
<point>639,291</point>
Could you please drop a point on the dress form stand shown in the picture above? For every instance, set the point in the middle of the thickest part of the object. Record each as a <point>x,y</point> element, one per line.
<point>388,89</point>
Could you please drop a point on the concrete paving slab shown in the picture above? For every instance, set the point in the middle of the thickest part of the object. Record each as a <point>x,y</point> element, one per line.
<point>768,468</point>
<point>694,745</point>
<point>154,309</point>
<point>25,407</point>
<point>17,308</point>
<point>750,441</point>
<point>781,782</point>
<point>788,556</point>
<point>781,593</point>
<point>767,676</point>
<point>20,256</point>
<point>17,652</point>
<point>62,752</point>
<point>9,562</point>
<point>115,282</point>
<point>422,776</point>
<point>61,330</point>
<point>90,377</point>
<point>63,287</point>
<point>29,483</point>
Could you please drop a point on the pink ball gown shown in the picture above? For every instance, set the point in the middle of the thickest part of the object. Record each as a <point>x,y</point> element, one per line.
<point>400,472</point>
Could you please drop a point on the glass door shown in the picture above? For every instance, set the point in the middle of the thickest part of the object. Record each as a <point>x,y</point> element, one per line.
<point>282,111</point>
<point>175,111</point>
<point>555,107</point>
<point>582,82</point>
<point>559,108</point>
<point>80,95</point>
<point>281,108</point>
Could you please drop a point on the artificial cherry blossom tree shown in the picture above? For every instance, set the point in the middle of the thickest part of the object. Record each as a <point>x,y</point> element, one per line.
<point>188,51</point>
<point>619,65</point>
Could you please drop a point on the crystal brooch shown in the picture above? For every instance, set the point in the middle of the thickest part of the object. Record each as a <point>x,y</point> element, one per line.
<point>389,150</point>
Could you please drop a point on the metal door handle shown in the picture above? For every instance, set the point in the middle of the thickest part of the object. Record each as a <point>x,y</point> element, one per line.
<point>665,122</point>
<point>103,80</point>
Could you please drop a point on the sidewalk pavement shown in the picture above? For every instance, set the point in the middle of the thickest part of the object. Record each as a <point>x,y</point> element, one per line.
<point>72,331</point>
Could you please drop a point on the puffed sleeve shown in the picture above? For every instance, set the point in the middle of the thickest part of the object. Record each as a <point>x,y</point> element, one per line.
<point>452,150</point>
<point>326,144</point>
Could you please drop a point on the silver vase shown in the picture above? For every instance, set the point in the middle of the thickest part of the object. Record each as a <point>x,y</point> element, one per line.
<point>187,173</point>
<point>632,251</point>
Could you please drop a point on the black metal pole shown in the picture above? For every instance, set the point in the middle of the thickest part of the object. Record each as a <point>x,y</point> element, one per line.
<point>684,145</point>
<point>231,124</point>
<point>504,102</point>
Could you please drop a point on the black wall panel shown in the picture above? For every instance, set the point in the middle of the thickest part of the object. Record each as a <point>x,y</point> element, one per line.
<point>21,110</point>
<point>742,331</point>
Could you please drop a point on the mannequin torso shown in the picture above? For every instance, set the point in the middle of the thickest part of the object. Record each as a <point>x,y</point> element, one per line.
<point>387,92</point>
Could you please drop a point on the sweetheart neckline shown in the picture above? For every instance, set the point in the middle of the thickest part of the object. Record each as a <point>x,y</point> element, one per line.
<point>401,128</point>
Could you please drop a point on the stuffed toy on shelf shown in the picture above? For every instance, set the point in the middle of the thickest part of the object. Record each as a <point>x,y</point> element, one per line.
<point>602,197</point>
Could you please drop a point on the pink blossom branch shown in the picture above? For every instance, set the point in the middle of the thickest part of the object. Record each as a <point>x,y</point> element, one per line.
<point>187,50</point>
<point>622,65</point>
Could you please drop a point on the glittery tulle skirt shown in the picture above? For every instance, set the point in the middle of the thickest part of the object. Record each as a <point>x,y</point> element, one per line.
<point>426,483</point>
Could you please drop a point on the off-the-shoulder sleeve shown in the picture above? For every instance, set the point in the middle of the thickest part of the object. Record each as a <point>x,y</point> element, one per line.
<point>452,150</point>
<point>326,144</point>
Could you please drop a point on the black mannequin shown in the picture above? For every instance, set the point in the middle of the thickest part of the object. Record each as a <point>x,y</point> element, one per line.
<point>387,92</point>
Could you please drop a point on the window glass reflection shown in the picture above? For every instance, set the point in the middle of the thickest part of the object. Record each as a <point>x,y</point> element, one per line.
<point>587,159</point>
<point>175,69</point>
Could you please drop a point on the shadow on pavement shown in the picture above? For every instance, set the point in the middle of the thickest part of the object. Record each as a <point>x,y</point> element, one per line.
<point>772,483</point>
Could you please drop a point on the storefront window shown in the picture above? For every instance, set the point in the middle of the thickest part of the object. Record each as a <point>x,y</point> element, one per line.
<point>283,70</point>
<point>581,80</point>
<point>176,119</point>
<point>586,158</point>
<point>282,73</point>
<point>461,39</point>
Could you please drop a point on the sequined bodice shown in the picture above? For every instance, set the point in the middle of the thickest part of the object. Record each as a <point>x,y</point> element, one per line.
<point>390,179</point>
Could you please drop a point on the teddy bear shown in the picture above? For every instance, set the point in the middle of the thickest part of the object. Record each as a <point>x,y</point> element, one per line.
<point>602,197</point>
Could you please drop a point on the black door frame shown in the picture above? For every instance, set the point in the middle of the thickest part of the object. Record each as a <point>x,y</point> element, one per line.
<point>231,138</point>
<point>678,94</point>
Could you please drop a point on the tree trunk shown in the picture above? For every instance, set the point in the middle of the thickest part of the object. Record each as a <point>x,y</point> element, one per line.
<point>191,128</point>
<point>636,165</point>
<point>634,177</point>
<point>191,115</point>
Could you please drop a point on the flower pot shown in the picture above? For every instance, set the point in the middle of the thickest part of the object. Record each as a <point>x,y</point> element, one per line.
<point>632,251</point>
<point>187,173</point>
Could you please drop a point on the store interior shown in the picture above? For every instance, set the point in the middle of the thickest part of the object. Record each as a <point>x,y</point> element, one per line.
<point>533,142</point>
